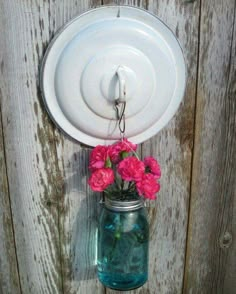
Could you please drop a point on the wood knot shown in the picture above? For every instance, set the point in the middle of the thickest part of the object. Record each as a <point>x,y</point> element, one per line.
<point>226,240</point>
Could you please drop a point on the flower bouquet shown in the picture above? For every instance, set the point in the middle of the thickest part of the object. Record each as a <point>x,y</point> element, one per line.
<point>123,230</point>
<point>117,171</point>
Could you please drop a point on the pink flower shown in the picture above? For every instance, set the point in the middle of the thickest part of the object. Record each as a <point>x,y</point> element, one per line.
<point>98,157</point>
<point>148,186</point>
<point>100,179</point>
<point>114,153</point>
<point>131,169</point>
<point>116,150</point>
<point>153,166</point>
<point>127,146</point>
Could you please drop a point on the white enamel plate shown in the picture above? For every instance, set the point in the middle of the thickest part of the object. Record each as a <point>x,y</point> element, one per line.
<point>109,53</point>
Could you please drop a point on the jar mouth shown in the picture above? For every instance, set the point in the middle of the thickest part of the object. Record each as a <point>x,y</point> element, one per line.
<point>126,205</point>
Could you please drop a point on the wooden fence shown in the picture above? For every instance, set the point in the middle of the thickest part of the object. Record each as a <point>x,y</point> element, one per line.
<point>47,214</point>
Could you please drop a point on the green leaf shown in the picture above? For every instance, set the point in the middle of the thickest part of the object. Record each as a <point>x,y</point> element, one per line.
<point>124,154</point>
<point>108,162</point>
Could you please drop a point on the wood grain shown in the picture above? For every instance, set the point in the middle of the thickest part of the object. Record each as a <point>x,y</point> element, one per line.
<point>9,278</point>
<point>211,254</point>
<point>79,208</point>
<point>173,147</point>
<point>29,145</point>
<point>38,199</point>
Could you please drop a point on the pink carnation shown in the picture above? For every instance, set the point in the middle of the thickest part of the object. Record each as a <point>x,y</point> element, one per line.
<point>100,179</point>
<point>131,169</point>
<point>98,157</point>
<point>127,146</point>
<point>148,186</point>
<point>114,153</point>
<point>116,149</point>
<point>153,166</point>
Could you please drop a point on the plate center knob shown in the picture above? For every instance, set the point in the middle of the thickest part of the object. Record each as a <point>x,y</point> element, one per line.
<point>118,83</point>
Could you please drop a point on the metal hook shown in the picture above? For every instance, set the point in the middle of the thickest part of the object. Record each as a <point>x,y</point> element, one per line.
<point>121,117</point>
<point>121,100</point>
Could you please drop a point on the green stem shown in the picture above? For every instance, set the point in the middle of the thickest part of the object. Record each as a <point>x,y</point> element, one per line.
<point>122,185</point>
<point>111,255</point>
<point>117,185</point>
<point>131,186</point>
<point>117,235</point>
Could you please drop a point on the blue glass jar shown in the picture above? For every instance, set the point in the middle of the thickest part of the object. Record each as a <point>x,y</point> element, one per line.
<point>123,240</point>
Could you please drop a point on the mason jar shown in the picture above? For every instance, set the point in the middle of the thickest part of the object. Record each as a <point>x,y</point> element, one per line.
<point>123,240</point>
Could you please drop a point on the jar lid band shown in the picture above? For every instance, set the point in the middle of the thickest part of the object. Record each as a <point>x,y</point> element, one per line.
<point>118,205</point>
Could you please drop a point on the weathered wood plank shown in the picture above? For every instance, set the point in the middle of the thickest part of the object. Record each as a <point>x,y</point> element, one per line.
<point>211,254</point>
<point>29,142</point>
<point>42,252</point>
<point>9,278</point>
<point>173,147</point>
<point>78,213</point>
